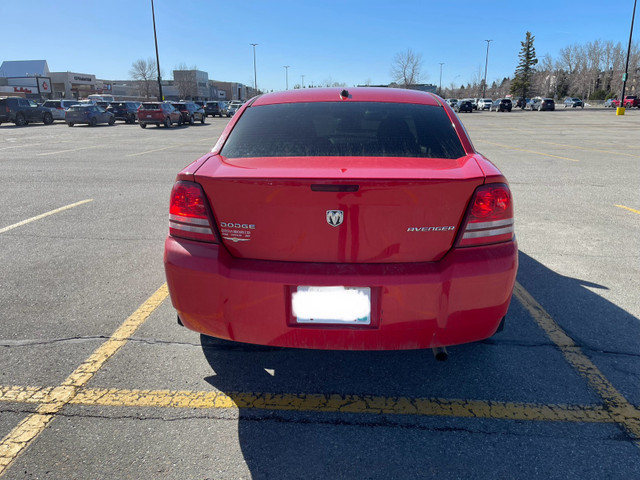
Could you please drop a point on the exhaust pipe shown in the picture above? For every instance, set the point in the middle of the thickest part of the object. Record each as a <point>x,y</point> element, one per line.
<point>440,353</point>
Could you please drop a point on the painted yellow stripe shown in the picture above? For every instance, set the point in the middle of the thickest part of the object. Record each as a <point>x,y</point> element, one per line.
<point>591,149</point>
<point>364,404</point>
<point>619,408</point>
<point>630,209</point>
<point>53,400</point>
<point>52,212</point>
<point>527,151</point>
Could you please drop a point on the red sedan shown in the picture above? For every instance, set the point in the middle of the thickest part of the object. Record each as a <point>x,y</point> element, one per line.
<point>351,220</point>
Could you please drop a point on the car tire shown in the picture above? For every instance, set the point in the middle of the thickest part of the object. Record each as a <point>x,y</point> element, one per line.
<point>47,119</point>
<point>70,124</point>
<point>191,120</point>
<point>180,121</point>
<point>112,120</point>
<point>93,122</point>
<point>167,122</point>
<point>143,125</point>
<point>202,119</point>
<point>20,120</point>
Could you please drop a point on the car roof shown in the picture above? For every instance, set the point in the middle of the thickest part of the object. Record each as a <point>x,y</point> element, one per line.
<point>362,94</point>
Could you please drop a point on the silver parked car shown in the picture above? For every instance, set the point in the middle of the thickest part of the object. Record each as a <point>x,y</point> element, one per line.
<point>58,107</point>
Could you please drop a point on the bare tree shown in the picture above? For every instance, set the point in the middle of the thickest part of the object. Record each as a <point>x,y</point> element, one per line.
<point>406,68</point>
<point>146,72</point>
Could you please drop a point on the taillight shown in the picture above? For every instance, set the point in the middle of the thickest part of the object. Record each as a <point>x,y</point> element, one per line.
<point>189,213</point>
<point>489,218</point>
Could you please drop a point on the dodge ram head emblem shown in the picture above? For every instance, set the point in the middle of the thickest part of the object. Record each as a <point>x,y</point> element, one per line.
<point>335,217</point>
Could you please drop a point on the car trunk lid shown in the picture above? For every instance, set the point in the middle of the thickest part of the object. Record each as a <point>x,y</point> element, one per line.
<point>326,209</point>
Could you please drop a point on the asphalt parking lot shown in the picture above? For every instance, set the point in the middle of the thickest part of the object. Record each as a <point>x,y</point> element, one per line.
<point>98,381</point>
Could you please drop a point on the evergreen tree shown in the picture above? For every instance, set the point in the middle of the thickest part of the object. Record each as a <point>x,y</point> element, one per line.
<point>526,68</point>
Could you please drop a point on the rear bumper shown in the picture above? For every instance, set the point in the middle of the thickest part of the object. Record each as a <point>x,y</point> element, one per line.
<point>458,300</point>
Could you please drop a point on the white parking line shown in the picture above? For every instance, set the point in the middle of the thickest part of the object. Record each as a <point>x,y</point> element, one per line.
<point>65,151</point>
<point>38,217</point>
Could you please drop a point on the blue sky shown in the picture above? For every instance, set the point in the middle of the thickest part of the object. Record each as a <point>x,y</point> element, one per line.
<point>353,42</point>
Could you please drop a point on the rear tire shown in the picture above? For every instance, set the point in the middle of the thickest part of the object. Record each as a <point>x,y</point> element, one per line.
<point>167,122</point>
<point>112,120</point>
<point>47,119</point>
<point>70,124</point>
<point>143,125</point>
<point>20,120</point>
<point>93,122</point>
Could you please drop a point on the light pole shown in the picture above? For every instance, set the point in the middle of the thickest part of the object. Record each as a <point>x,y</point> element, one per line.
<point>155,37</point>
<point>286,75</point>
<point>620,111</point>
<point>440,92</point>
<point>486,63</point>
<point>255,76</point>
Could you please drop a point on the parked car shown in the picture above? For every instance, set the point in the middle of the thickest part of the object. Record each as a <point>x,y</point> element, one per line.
<point>573,102</point>
<point>125,111</point>
<point>224,108</point>
<point>234,106</point>
<point>464,106</point>
<point>541,104</point>
<point>381,251</point>
<point>451,101</point>
<point>22,111</point>
<point>630,101</point>
<point>90,114</point>
<point>609,103</point>
<point>158,113</point>
<point>519,102</point>
<point>190,112</point>
<point>212,109</point>
<point>485,104</point>
<point>501,105</point>
<point>58,107</point>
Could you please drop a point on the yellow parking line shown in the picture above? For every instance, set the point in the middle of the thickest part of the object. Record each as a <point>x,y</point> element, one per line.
<point>53,400</point>
<point>630,209</point>
<point>623,412</point>
<point>527,151</point>
<point>38,217</point>
<point>590,149</point>
<point>365,404</point>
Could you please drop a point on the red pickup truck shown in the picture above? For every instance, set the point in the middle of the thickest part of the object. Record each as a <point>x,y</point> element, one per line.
<point>630,101</point>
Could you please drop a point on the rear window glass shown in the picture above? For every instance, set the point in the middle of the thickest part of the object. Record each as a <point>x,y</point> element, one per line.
<point>344,129</point>
<point>150,106</point>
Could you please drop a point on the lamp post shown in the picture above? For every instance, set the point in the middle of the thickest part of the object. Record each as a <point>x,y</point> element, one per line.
<point>286,75</point>
<point>440,92</point>
<point>486,63</point>
<point>620,110</point>
<point>255,76</point>
<point>155,37</point>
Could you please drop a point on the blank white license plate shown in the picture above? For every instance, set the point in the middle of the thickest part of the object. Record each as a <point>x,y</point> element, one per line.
<point>332,305</point>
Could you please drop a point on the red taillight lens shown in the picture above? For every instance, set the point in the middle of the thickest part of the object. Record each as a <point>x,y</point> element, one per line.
<point>490,217</point>
<point>189,213</point>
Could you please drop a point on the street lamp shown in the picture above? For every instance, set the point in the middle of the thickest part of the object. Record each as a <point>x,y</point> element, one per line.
<point>255,76</point>
<point>286,75</point>
<point>620,111</point>
<point>155,37</point>
<point>441,78</point>
<point>486,63</point>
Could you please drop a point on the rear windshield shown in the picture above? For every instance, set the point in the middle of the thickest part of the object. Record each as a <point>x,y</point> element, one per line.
<point>344,129</point>
<point>150,106</point>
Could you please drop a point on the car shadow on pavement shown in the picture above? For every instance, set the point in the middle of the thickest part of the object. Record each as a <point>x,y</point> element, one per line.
<point>520,364</point>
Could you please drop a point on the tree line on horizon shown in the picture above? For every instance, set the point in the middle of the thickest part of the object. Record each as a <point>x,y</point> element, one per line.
<point>591,71</point>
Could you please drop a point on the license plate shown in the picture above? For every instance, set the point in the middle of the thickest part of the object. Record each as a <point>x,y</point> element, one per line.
<point>332,305</point>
